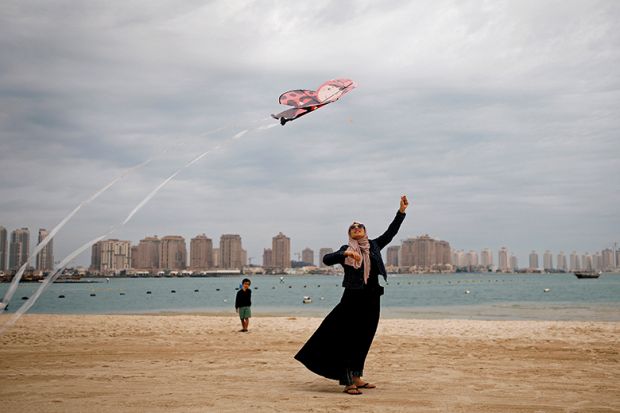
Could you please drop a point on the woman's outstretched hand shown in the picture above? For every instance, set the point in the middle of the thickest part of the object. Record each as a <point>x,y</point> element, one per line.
<point>403,204</point>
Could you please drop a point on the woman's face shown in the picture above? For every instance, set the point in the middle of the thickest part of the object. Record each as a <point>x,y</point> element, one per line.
<point>357,230</point>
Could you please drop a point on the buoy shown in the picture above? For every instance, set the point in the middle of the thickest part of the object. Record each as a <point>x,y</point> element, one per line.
<point>318,286</point>
<point>173,291</point>
<point>217,289</point>
<point>467,291</point>
<point>256,288</point>
<point>290,286</point>
<point>196,291</point>
<point>148,292</point>
<point>322,298</point>
<point>61,296</point>
<point>93,294</point>
<point>225,300</point>
<point>122,294</point>
<point>547,290</point>
<point>24,298</point>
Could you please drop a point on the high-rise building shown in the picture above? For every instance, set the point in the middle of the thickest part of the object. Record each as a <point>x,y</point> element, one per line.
<point>307,256</point>
<point>244,258</point>
<point>201,253</point>
<point>392,255</point>
<point>514,263</point>
<point>548,261</point>
<point>216,258</point>
<point>45,258</point>
<point>111,255</point>
<point>587,262</point>
<point>267,258</point>
<point>533,260</point>
<point>323,252</point>
<point>230,252</point>
<point>147,254</point>
<point>281,246</point>
<point>486,258</point>
<point>597,262</point>
<point>19,248</point>
<point>471,259</point>
<point>458,258</point>
<point>503,262</point>
<point>425,252</point>
<point>561,262</point>
<point>4,249</point>
<point>575,264</point>
<point>172,253</point>
<point>134,257</point>
<point>608,261</point>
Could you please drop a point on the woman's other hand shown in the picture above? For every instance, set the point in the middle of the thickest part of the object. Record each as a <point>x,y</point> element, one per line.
<point>404,203</point>
<point>353,254</point>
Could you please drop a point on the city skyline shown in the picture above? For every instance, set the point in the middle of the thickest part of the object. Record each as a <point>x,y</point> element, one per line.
<point>499,124</point>
<point>145,253</point>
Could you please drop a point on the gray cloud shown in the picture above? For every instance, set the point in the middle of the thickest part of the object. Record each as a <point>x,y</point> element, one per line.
<point>498,119</point>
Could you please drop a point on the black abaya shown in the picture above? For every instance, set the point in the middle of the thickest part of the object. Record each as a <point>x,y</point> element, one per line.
<point>338,348</point>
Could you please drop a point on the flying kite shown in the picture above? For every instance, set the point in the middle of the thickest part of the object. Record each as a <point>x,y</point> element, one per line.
<point>306,101</point>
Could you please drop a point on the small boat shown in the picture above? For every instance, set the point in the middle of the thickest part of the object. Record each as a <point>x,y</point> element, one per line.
<point>307,300</point>
<point>588,274</point>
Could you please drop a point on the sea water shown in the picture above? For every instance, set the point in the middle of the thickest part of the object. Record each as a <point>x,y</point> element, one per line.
<point>464,296</point>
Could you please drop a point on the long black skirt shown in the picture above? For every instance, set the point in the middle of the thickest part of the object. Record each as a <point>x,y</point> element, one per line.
<point>338,348</point>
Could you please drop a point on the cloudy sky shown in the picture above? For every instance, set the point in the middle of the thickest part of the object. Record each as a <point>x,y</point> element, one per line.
<point>499,120</point>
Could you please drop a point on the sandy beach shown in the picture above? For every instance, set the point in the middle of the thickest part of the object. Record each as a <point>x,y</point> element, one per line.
<point>198,363</point>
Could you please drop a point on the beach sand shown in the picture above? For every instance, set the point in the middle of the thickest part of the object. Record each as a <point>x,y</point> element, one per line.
<point>198,363</point>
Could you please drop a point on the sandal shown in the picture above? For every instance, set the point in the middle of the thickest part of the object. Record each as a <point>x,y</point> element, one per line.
<point>352,390</point>
<point>366,386</point>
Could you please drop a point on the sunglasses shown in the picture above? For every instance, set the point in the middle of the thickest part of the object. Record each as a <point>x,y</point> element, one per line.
<point>357,226</point>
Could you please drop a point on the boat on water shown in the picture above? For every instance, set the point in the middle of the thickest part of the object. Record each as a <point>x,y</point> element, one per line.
<point>307,299</point>
<point>587,274</point>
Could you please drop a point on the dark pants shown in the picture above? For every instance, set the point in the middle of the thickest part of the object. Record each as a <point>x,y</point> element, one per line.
<point>338,348</point>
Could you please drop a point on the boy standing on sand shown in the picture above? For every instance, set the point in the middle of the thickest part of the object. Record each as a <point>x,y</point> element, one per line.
<point>243,304</point>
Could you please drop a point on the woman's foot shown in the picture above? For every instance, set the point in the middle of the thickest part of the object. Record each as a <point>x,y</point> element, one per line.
<point>360,384</point>
<point>352,390</point>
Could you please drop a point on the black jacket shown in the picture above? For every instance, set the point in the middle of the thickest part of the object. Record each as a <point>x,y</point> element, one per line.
<point>354,278</point>
<point>244,298</point>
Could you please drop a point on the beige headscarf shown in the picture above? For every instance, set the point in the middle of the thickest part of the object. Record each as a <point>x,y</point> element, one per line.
<point>362,247</point>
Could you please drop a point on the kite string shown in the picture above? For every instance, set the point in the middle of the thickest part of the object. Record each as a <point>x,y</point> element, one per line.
<point>39,247</point>
<point>53,276</point>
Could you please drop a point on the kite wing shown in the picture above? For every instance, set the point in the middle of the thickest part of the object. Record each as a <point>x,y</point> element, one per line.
<point>332,90</point>
<point>299,98</point>
<point>306,101</point>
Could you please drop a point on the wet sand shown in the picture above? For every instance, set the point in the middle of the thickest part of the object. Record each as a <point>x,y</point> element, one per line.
<point>197,363</point>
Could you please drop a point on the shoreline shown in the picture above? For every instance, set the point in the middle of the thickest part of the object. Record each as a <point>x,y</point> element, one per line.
<point>504,311</point>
